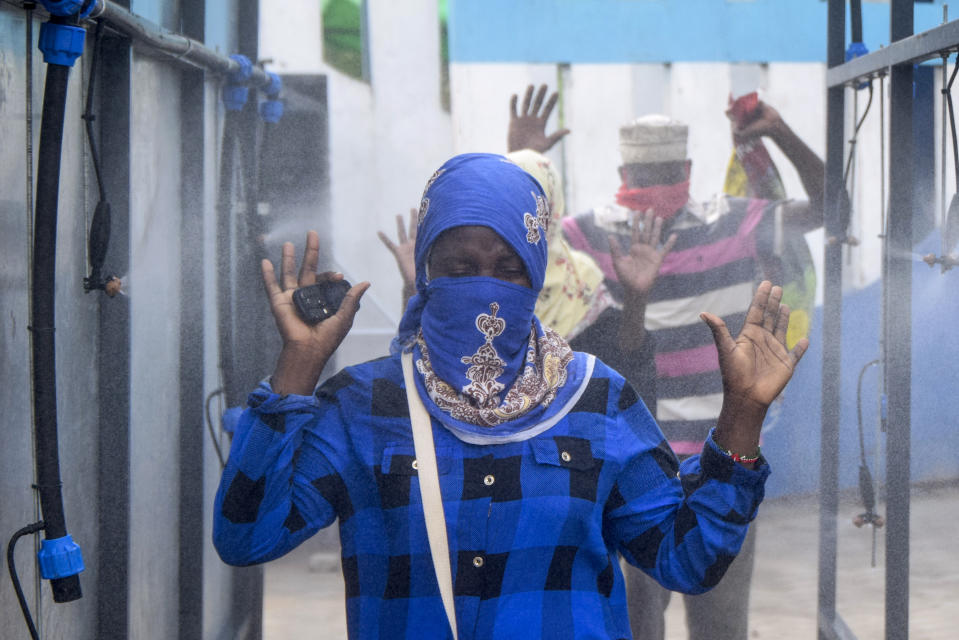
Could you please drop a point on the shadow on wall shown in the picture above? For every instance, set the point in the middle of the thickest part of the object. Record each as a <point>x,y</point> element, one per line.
<point>791,441</point>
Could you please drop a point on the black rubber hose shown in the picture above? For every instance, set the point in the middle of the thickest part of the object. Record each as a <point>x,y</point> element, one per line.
<point>42,319</point>
<point>12,567</point>
<point>98,239</point>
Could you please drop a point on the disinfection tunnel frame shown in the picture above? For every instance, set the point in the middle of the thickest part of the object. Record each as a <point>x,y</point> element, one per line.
<point>895,61</point>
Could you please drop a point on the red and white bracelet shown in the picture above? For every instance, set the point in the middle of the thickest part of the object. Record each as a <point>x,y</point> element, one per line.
<point>738,458</point>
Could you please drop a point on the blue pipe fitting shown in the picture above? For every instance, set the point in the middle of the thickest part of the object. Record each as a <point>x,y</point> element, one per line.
<point>61,44</point>
<point>273,89</point>
<point>63,7</point>
<point>857,50</point>
<point>271,111</point>
<point>91,6</point>
<point>245,71</point>
<point>59,558</point>
<point>234,96</point>
<point>235,93</point>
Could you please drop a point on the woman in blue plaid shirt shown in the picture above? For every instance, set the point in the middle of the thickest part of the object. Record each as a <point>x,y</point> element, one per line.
<point>548,462</point>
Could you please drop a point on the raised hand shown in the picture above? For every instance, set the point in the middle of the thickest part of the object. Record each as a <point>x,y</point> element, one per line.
<point>638,267</point>
<point>755,367</point>
<point>765,121</point>
<point>403,249</point>
<point>306,348</point>
<point>527,128</point>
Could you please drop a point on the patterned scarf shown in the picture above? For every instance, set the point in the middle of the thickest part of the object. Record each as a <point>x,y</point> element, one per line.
<point>488,370</point>
<point>573,294</point>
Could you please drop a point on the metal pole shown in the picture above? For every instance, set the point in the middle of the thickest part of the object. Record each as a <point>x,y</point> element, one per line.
<point>898,283</point>
<point>832,328</point>
<point>115,348</point>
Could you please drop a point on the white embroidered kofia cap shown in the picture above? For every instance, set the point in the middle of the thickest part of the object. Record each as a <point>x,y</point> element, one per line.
<point>653,138</point>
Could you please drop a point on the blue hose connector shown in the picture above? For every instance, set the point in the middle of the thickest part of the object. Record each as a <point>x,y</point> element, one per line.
<point>271,111</point>
<point>63,7</point>
<point>245,70</point>
<point>61,44</point>
<point>235,92</point>
<point>234,96</point>
<point>59,558</point>
<point>273,89</point>
<point>857,50</point>
<point>79,8</point>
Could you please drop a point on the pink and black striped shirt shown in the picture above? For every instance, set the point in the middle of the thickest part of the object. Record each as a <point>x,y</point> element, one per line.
<point>713,267</point>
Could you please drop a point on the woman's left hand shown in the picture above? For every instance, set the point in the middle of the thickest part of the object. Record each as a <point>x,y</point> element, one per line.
<point>755,367</point>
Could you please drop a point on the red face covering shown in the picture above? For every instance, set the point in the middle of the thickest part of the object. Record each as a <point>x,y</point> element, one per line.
<point>664,199</point>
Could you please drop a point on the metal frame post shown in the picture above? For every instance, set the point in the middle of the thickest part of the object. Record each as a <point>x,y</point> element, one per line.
<point>905,50</point>
<point>898,322</point>
<point>192,435</point>
<point>832,328</point>
<point>113,366</point>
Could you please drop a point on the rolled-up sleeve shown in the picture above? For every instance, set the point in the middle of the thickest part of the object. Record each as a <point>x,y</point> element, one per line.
<point>682,525</point>
<point>280,483</point>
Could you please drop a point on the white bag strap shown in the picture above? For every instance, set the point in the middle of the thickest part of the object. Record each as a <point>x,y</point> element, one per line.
<point>430,491</point>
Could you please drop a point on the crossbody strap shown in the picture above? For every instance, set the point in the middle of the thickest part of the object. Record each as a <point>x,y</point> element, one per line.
<point>430,491</point>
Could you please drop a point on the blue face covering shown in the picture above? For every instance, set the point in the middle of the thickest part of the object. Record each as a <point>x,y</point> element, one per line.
<point>478,345</point>
<point>484,359</point>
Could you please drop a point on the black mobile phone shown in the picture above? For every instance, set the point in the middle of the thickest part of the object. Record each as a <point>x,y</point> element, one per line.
<point>317,302</point>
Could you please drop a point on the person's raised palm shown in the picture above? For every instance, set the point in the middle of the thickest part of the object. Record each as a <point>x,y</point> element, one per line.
<point>527,128</point>
<point>404,249</point>
<point>315,341</point>
<point>638,267</point>
<point>756,365</point>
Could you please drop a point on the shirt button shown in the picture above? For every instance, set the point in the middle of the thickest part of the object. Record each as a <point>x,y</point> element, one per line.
<point>478,561</point>
<point>565,456</point>
<point>489,480</point>
<point>415,465</point>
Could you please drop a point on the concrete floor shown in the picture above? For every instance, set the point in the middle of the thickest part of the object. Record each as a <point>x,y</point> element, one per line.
<point>304,591</point>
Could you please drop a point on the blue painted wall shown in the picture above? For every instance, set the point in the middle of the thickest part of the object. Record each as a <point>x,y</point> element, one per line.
<point>792,445</point>
<point>656,30</point>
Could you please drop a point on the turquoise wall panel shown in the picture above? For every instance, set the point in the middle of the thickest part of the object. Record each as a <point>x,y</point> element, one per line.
<point>591,31</point>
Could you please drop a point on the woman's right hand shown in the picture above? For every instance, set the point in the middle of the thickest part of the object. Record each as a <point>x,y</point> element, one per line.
<point>306,348</point>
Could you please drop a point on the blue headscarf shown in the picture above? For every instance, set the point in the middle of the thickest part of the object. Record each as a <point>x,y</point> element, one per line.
<point>483,358</point>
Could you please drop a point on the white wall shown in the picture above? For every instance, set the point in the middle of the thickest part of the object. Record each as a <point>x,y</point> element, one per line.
<point>386,138</point>
<point>597,98</point>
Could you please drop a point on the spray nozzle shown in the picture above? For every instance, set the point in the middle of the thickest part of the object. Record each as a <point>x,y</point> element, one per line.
<point>846,238</point>
<point>947,261</point>
<point>869,501</point>
<point>950,239</point>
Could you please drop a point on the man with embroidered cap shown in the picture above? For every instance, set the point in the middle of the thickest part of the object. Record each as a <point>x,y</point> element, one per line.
<point>486,476</point>
<point>720,249</point>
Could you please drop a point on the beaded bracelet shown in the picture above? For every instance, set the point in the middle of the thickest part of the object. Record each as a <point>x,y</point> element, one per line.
<point>738,458</point>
